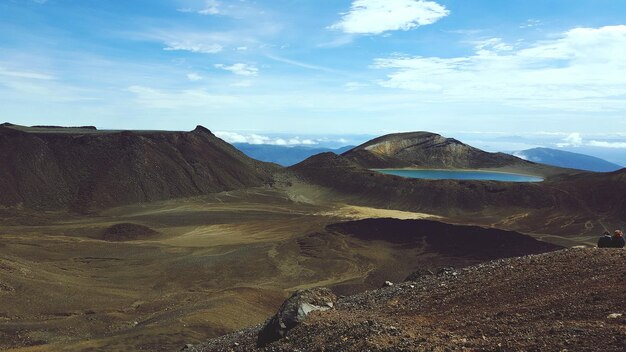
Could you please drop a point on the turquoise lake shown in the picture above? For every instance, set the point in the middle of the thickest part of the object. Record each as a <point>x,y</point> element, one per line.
<point>460,175</point>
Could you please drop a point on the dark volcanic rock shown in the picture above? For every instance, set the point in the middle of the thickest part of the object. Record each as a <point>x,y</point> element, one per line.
<point>127,232</point>
<point>293,311</point>
<point>93,170</point>
<point>69,127</point>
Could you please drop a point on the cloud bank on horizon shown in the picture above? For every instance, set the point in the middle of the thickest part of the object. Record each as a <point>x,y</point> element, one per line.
<point>351,67</point>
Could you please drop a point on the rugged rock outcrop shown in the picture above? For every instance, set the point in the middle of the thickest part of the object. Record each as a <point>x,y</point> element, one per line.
<point>85,169</point>
<point>293,312</point>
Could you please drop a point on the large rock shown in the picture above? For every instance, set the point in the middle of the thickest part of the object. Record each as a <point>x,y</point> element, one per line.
<point>293,311</point>
<point>416,275</point>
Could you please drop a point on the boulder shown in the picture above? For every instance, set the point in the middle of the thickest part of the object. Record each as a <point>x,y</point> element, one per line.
<point>416,275</point>
<point>447,271</point>
<point>294,311</point>
<point>605,242</point>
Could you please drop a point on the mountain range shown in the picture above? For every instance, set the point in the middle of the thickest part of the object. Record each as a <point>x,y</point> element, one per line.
<point>567,159</point>
<point>291,155</point>
<point>284,155</point>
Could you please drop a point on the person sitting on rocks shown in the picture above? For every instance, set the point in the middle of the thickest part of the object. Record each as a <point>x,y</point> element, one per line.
<point>606,241</point>
<point>618,239</point>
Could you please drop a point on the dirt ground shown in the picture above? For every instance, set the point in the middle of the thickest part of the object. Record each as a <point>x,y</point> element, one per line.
<point>569,300</point>
<point>217,264</point>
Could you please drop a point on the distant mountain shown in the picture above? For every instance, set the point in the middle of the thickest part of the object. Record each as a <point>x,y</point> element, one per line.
<point>283,155</point>
<point>564,193</point>
<point>85,169</point>
<point>430,150</point>
<point>565,159</point>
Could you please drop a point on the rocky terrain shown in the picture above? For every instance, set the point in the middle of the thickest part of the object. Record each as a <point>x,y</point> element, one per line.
<point>569,300</point>
<point>84,169</point>
<point>147,240</point>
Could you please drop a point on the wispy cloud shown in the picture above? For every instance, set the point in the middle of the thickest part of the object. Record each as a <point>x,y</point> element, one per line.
<point>25,74</point>
<point>378,16</point>
<point>240,69</point>
<point>210,7</point>
<point>530,24</point>
<point>605,144</point>
<point>242,84</point>
<point>189,98</point>
<point>353,86</point>
<point>301,64</point>
<point>581,69</point>
<point>194,77</point>
<point>194,47</point>
<point>199,41</point>
<point>576,140</point>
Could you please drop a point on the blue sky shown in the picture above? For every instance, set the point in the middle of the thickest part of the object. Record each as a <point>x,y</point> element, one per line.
<point>527,68</point>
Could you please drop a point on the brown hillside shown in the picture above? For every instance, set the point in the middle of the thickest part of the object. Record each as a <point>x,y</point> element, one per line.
<point>84,169</point>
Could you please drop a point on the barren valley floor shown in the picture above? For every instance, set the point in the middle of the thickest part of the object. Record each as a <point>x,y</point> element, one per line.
<point>217,263</point>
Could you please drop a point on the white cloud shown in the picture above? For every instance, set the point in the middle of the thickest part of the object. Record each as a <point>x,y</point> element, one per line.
<point>580,70</point>
<point>353,86</point>
<point>194,77</point>
<point>25,74</point>
<point>521,155</point>
<point>242,48</point>
<point>191,98</point>
<point>234,137</point>
<point>194,47</point>
<point>211,7</point>
<point>530,24</point>
<point>240,69</point>
<point>301,64</point>
<point>337,42</point>
<point>378,16</point>
<point>572,140</point>
<point>604,144</point>
<point>491,45</point>
<point>242,84</point>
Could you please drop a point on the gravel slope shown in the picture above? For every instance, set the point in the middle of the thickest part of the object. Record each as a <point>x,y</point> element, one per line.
<point>569,300</point>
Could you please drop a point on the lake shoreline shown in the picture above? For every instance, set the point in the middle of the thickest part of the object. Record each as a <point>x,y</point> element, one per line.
<point>441,174</point>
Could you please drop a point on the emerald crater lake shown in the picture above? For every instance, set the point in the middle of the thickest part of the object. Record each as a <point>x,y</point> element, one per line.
<point>460,175</point>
